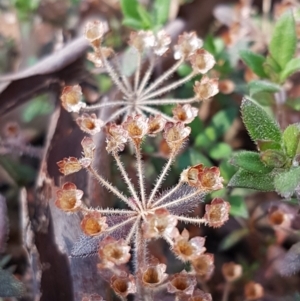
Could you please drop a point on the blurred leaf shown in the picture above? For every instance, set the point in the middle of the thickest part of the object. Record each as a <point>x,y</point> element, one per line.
<point>264,145</point>
<point>133,23</point>
<point>287,181</point>
<point>233,238</point>
<point>184,70</point>
<point>290,138</point>
<point>238,206</point>
<point>220,151</point>
<point>249,161</point>
<point>132,17</point>
<point>246,179</point>
<point>196,127</point>
<point>291,67</point>
<point>145,17</point>
<point>37,107</point>
<point>227,170</point>
<point>10,286</point>
<point>257,86</point>
<point>191,157</point>
<point>254,62</point>
<point>161,9</point>
<point>258,123</point>
<point>284,39</point>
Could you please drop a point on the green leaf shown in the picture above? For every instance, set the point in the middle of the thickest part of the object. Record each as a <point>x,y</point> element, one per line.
<point>238,206</point>
<point>291,67</point>
<point>130,9</point>
<point>257,86</point>
<point>258,123</point>
<point>220,151</point>
<point>284,39</point>
<point>227,170</point>
<point>290,138</point>
<point>233,238</point>
<point>10,286</point>
<point>264,145</point>
<point>274,158</point>
<point>286,182</point>
<point>161,9</point>
<point>246,179</point>
<point>145,17</point>
<point>37,107</point>
<point>133,23</point>
<point>250,161</point>
<point>254,62</point>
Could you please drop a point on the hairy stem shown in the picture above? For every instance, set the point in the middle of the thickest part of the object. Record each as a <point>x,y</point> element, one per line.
<point>192,220</point>
<point>111,188</point>
<point>105,104</point>
<point>226,291</point>
<point>168,101</point>
<point>116,114</point>
<point>137,71</point>
<point>139,167</point>
<point>147,75</point>
<point>154,111</point>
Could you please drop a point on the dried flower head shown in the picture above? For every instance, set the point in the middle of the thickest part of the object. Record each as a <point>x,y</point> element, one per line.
<point>141,40</point>
<point>199,295</point>
<point>162,42</point>
<point>153,275</point>
<point>97,57</point>
<point>123,285</point>
<point>202,61</point>
<point>156,124</point>
<point>206,88</point>
<point>71,99</point>
<point>186,249</point>
<point>182,284</point>
<point>136,126</point>
<point>187,45</point>
<point>253,291</point>
<point>185,113</point>
<point>88,147</point>
<point>117,136</point>
<point>175,134</point>
<point>113,252</point>
<point>217,213</point>
<point>204,265</point>
<point>160,223</point>
<point>69,165</point>
<point>231,271</point>
<point>89,123</point>
<point>69,197</point>
<point>94,32</point>
<point>93,224</point>
<point>92,297</point>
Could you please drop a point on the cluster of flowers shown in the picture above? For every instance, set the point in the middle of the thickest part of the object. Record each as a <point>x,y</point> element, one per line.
<point>148,216</point>
<point>137,96</point>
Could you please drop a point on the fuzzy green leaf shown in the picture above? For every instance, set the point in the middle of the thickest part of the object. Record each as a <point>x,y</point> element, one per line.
<point>291,67</point>
<point>254,62</point>
<point>10,286</point>
<point>284,40</point>
<point>257,86</point>
<point>290,138</point>
<point>246,179</point>
<point>250,161</point>
<point>286,182</point>
<point>264,145</point>
<point>238,206</point>
<point>258,123</point>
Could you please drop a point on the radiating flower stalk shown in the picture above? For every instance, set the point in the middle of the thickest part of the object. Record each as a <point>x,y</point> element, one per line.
<point>124,234</point>
<point>137,95</point>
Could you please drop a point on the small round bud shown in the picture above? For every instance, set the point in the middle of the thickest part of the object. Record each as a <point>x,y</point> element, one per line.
<point>253,291</point>
<point>69,165</point>
<point>90,123</point>
<point>93,224</point>
<point>202,61</point>
<point>217,213</point>
<point>185,113</point>
<point>69,198</point>
<point>231,271</point>
<point>206,88</point>
<point>71,98</point>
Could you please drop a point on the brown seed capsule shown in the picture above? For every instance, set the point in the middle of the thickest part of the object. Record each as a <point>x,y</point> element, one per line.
<point>206,88</point>
<point>182,284</point>
<point>69,165</point>
<point>185,113</point>
<point>123,285</point>
<point>94,32</point>
<point>136,126</point>
<point>199,295</point>
<point>89,147</point>
<point>117,136</point>
<point>71,98</point>
<point>93,224</point>
<point>69,198</point>
<point>217,213</point>
<point>204,265</point>
<point>202,61</point>
<point>253,291</point>
<point>156,124</point>
<point>153,275</point>
<point>90,123</point>
<point>231,271</point>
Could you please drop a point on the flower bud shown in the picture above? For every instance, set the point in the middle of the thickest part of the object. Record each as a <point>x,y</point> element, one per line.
<point>253,291</point>
<point>93,224</point>
<point>71,98</point>
<point>206,88</point>
<point>69,165</point>
<point>217,213</point>
<point>231,271</point>
<point>185,113</point>
<point>69,198</point>
<point>202,61</point>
